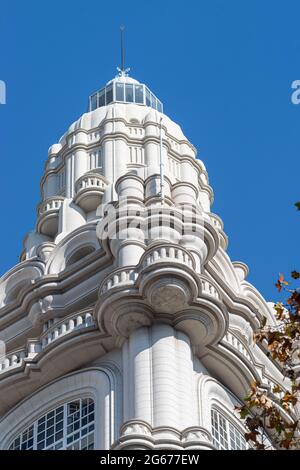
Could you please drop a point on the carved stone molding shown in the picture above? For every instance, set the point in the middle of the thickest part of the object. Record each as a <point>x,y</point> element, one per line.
<point>161,291</point>
<point>139,434</point>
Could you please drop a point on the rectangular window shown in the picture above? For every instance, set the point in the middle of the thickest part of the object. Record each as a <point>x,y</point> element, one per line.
<point>148,102</point>
<point>119,91</point>
<point>129,93</point>
<point>139,94</point>
<point>58,434</point>
<point>136,155</point>
<point>95,159</point>
<point>94,102</point>
<point>61,180</point>
<point>101,98</point>
<point>99,159</point>
<point>153,101</point>
<point>225,435</point>
<point>109,94</point>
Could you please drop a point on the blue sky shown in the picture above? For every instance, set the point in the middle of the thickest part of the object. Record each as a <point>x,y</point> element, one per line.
<point>223,69</point>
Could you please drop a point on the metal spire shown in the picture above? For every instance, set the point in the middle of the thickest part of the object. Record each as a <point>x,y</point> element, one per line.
<point>122,71</point>
<point>122,29</point>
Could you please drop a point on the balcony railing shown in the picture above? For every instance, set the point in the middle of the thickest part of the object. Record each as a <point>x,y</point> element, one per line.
<point>66,326</point>
<point>208,288</point>
<point>118,278</point>
<point>50,205</point>
<point>168,253</point>
<point>14,359</point>
<point>48,215</point>
<point>90,181</point>
<point>89,190</point>
<point>52,331</point>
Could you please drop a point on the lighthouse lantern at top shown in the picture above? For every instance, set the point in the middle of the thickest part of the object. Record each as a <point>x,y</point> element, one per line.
<point>124,89</point>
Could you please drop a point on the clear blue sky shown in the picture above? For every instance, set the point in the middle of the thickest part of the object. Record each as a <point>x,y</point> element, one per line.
<point>223,69</point>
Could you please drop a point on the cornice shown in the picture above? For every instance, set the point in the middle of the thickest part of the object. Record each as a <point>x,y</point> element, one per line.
<point>33,262</point>
<point>224,356</point>
<point>55,284</point>
<point>48,365</point>
<point>236,304</point>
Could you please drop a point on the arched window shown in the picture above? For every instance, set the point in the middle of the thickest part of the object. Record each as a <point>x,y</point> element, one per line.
<point>225,435</point>
<point>80,254</point>
<point>70,426</point>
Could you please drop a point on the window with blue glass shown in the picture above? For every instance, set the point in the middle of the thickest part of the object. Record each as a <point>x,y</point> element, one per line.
<point>70,426</point>
<point>109,94</point>
<point>120,92</point>
<point>94,101</point>
<point>129,93</point>
<point>148,101</point>
<point>225,435</point>
<point>125,93</point>
<point>101,98</point>
<point>139,94</point>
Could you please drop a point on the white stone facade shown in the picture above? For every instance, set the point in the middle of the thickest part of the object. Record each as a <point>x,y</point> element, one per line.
<point>120,305</point>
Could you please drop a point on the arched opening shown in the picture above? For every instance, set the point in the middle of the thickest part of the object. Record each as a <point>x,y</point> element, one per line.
<point>70,426</point>
<point>79,255</point>
<point>225,435</point>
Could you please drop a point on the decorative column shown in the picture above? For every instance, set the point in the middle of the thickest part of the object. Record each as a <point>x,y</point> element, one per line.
<point>160,401</point>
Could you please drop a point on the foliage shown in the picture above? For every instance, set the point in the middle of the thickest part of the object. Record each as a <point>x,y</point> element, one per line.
<point>272,412</point>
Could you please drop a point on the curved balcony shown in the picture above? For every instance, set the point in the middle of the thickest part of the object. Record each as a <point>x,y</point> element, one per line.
<point>237,344</point>
<point>48,212</point>
<point>89,190</point>
<point>244,350</point>
<point>207,288</point>
<point>17,358</point>
<point>124,277</point>
<point>119,278</point>
<point>168,253</point>
<point>12,360</point>
<point>217,222</point>
<point>66,326</point>
<point>52,332</point>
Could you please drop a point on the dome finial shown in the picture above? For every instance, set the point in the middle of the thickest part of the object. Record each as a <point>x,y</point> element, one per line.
<point>122,71</point>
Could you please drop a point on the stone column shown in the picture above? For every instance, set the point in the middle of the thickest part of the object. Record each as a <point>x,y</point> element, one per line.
<point>80,164</point>
<point>159,379</point>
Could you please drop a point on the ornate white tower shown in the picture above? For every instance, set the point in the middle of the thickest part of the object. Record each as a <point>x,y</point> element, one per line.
<point>126,325</point>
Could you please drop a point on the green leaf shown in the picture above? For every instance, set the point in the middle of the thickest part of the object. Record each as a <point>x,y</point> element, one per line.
<point>243,413</point>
